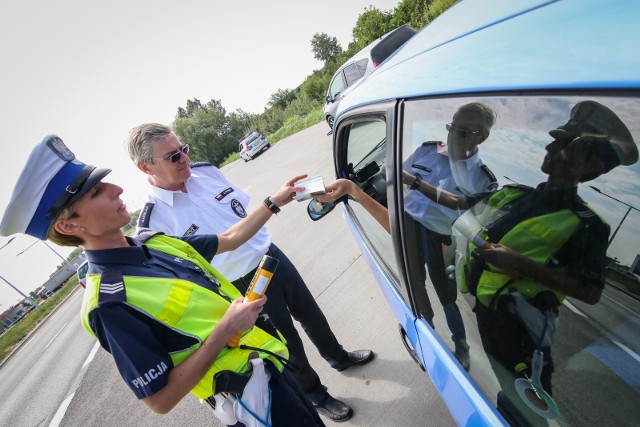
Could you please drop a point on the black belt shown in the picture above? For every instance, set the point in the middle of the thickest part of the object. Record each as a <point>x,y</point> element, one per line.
<point>231,382</point>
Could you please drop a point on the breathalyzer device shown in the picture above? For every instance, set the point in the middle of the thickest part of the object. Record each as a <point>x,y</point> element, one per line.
<point>258,286</point>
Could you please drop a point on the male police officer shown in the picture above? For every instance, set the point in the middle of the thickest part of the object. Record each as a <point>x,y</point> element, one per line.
<point>197,199</point>
<point>460,169</point>
<point>155,303</point>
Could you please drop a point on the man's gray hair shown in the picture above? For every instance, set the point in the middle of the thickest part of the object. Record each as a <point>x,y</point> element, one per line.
<point>485,115</point>
<point>142,139</point>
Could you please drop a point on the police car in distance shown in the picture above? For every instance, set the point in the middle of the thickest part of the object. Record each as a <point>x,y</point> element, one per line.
<point>252,144</point>
<point>544,67</point>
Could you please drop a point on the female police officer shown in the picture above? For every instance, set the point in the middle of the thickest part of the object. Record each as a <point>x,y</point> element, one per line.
<point>156,304</point>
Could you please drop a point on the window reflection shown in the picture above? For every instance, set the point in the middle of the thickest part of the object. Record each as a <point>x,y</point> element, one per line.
<point>366,157</point>
<point>550,252</point>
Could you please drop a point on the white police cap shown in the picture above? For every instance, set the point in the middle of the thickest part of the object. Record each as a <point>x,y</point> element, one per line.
<point>51,180</point>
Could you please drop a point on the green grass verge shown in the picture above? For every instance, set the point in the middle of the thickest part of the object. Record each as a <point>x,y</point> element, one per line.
<point>28,323</point>
<point>293,125</point>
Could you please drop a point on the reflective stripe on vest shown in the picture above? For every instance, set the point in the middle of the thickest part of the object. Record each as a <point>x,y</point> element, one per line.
<point>188,309</point>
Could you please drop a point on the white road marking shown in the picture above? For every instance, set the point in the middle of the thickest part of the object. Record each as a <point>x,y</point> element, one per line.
<point>91,355</point>
<point>62,410</point>
<point>55,336</point>
<point>55,422</point>
<point>626,350</point>
<point>573,308</point>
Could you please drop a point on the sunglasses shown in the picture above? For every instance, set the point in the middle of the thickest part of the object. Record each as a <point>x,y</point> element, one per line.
<point>174,157</point>
<point>462,132</point>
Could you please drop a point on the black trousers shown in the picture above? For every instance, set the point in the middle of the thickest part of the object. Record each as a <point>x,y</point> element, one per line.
<point>431,244</point>
<point>288,296</point>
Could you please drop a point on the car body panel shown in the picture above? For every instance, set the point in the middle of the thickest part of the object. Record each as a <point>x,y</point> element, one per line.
<point>563,59</point>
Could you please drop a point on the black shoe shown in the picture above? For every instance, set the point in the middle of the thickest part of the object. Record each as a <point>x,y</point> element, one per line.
<point>332,408</point>
<point>358,357</point>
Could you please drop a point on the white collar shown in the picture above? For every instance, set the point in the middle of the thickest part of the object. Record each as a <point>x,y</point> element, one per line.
<point>165,196</point>
<point>470,162</point>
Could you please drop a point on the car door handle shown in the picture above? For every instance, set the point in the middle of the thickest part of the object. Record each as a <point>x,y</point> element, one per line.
<point>409,347</point>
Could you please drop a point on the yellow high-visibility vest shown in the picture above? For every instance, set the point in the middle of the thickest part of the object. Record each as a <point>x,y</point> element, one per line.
<point>189,309</point>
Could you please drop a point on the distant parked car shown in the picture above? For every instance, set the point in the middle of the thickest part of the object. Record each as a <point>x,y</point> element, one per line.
<point>252,144</point>
<point>360,65</point>
<point>82,273</point>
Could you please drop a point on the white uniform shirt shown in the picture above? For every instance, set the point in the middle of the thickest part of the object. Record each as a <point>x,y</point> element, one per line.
<point>210,206</point>
<point>434,169</point>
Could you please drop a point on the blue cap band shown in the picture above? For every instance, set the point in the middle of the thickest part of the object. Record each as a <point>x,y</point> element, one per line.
<point>39,225</point>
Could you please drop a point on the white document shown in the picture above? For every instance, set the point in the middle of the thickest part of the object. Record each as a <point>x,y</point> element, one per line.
<point>313,185</point>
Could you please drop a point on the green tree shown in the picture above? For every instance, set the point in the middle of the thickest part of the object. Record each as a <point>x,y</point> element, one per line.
<point>193,105</point>
<point>281,98</point>
<point>211,134</point>
<point>436,8</point>
<point>371,24</point>
<point>315,86</point>
<point>411,12</point>
<point>324,47</point>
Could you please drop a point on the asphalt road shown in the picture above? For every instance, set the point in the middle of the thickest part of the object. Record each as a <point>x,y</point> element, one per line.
<point>390,391</point>
<point>40,374</point>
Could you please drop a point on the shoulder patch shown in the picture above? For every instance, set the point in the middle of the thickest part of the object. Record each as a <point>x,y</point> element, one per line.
<point>112,288</point>
<point>199,164</point>
<point>145,215</point>
<point>424,144</point>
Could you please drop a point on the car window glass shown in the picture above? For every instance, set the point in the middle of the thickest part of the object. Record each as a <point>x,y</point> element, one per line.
<point>252,138</point>
<point>352,73</point>
<point>549,313</point>
<point>337,85</point>
<point>366,154</point>
<point>362,66</point>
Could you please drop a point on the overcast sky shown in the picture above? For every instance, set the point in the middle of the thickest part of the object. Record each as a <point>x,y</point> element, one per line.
<point>89,71</point>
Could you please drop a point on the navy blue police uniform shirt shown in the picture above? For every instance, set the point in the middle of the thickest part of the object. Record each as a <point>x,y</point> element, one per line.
<point>140,345</point>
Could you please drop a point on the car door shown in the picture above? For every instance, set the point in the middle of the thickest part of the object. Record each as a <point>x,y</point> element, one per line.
<point>362,155</point>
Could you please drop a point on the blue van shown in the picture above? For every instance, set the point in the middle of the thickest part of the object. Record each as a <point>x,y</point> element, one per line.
<point>519,299</point>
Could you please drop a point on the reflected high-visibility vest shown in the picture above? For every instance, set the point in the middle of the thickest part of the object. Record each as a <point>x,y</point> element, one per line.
<point>188,309</point>
<point>537,238</point>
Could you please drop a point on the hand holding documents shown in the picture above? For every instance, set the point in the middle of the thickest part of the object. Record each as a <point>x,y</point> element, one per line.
<point>313,185</point>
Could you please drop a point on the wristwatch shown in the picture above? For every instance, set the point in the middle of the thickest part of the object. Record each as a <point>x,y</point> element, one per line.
<point>271,206</point>
<point>415,184</point>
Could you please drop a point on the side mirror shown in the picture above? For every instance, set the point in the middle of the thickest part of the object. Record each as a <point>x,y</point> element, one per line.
<point>329,99</point>
<point>317,209</point>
